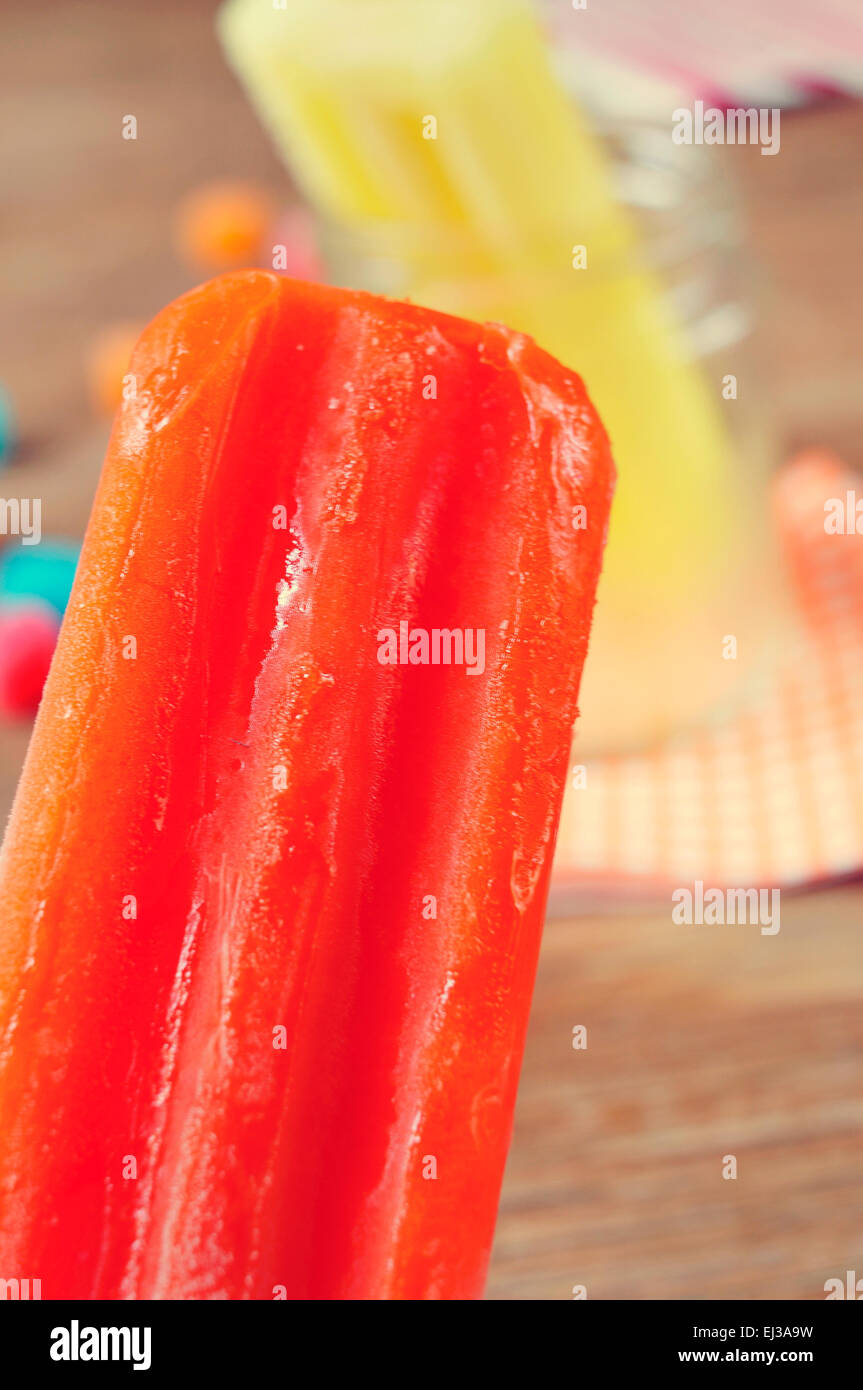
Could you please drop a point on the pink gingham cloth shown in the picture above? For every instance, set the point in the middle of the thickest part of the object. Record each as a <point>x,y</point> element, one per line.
<point>772,794</point>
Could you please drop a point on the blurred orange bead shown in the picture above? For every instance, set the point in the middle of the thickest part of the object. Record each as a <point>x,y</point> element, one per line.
<point>108,364</point>
<point>223,224</point>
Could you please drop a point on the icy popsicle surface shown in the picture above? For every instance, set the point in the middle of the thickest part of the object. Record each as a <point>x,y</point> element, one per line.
<point>274,880</point>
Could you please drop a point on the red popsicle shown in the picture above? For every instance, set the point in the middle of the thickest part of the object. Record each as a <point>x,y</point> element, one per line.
<point>274,880</point>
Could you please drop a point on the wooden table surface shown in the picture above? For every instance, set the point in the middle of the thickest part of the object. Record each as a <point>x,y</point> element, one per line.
<point>701,1042</point>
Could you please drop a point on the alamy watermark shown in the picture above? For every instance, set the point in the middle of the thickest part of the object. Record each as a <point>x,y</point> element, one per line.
<point>20,1290</point>
<point>850,1287</point>
<point>77,1343</point>
<point>21,516</point>
<point>436,646</point>
<point>738,125</point>
<point>843,516</point>
<point>711,907</point>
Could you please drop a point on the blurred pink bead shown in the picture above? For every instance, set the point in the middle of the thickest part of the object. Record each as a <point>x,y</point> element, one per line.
<point>294,246</point>
<point>28,636</point>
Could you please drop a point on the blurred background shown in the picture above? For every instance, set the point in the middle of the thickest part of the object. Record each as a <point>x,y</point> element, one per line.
<point>516,161</point>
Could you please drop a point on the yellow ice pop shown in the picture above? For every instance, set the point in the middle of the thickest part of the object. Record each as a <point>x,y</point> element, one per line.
<point>438,112</point>
<point>437,132</point>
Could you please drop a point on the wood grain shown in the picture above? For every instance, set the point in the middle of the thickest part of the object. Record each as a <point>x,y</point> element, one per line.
<point>702,1042</point>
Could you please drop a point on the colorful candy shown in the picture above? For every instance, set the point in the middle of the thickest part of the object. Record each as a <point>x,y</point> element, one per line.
<point>28,636</point>
<point>44,572</point>
<point>107,367</point>
<point>224,224</point>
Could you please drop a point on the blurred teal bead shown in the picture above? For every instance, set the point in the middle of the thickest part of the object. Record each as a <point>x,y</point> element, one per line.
<point>43,571</point>
<point>7,427</point>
